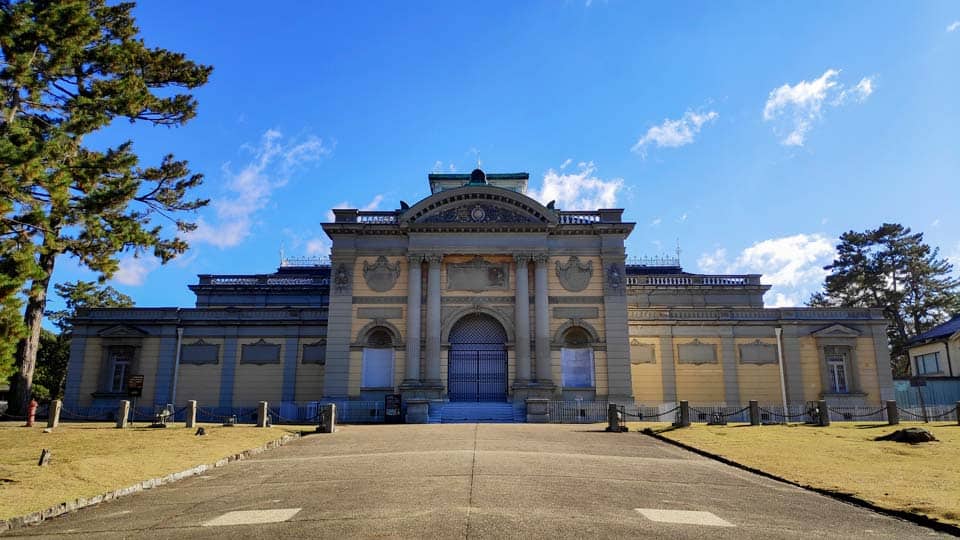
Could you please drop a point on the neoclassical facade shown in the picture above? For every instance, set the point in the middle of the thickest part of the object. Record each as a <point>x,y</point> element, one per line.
<point>479,293</point>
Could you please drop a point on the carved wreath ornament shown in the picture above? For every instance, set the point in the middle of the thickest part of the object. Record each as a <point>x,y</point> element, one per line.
<point>381,275</point>
<point>574,276</point>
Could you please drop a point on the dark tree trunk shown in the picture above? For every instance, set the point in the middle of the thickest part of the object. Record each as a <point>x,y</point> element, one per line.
<point>21,383</point>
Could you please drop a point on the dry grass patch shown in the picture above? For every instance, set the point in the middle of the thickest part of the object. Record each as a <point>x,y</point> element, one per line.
<point>92,458</point>
<point>844,458</point>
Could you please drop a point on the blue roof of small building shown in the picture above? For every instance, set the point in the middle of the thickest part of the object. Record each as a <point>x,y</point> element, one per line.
<point>944,330</point>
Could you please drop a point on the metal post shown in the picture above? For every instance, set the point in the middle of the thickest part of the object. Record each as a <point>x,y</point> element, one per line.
<point>958,413</point>
<point>893,413</point>
<point>328,418</point>
<point>123,411</point>
<point>191,413</point>
<point>53,418</point>
<point>684,414</point>
<point>824,413</point>
<point>754,412</point>
<point>262,414</point>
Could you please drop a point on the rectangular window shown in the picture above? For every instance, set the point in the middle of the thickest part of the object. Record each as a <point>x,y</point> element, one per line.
<point>377,368</point>
<point>120,358</point>
<point>577,367</point>
<point>838,377</point>
<point>927,364</point>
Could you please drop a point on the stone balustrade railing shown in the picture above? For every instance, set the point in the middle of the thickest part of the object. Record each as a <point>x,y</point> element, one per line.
<point>263,280</point>
<point>578,218</point>
<point>377,218</point>
<point>672,280</point>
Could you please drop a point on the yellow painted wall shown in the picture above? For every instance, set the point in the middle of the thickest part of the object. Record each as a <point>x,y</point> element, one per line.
<point>200,382</point>
<point>146,364</point>
<point>810,368</point>
<point>758,381</point>
<point>867,368</point>
<point>309,377</point>
<point>92,361</point>
<point>647,378</point>
<point>253,383</point>
<point>701,383</point>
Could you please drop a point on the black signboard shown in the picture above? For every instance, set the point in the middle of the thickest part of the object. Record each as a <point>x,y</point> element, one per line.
<point>918,381</point>
<point>392,409</point>
<point>135,386</point>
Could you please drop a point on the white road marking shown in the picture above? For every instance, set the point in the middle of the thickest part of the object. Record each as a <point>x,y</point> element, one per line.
<point>253,517</point>
<point>685,517</point>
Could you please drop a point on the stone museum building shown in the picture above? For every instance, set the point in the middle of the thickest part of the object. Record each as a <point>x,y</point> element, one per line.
<point>479,294</point>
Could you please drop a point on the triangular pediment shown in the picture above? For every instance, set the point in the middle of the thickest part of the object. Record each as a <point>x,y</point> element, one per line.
<point>837,330</point>
<point>122,330</point>
<point>478,212</point>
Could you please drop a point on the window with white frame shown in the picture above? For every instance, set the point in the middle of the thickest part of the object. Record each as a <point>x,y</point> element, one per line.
<point>576,359</point>
<point>119,365</point>
<point>836,358</point>
<point>377,371</point>
<point>927,364</point>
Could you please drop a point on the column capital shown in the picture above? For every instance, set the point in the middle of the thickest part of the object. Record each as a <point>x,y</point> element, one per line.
<point>541,258</point>
<point>414,258</point>
<point>521,258</point>
<point>433,258</point>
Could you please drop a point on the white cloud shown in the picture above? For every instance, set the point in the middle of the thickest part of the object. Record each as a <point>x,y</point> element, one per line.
<point>134,270</point>
<point>318,246</point>
<point>792,264</point>
<point>674,133</point>
<point>682,218</point>
<point>656,222</point>
<point>799,106</point>
<point>249,189</point>
<point>566,162</point>
<point>953,26</point>
<point>581,190</point>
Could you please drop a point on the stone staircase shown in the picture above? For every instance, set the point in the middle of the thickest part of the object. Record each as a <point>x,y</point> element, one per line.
<point>473,412</point>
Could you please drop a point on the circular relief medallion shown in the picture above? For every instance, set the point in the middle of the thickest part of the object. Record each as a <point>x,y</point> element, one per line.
<point>477,214</point>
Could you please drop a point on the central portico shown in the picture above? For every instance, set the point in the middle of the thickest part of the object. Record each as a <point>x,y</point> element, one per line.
<point>478,293</point>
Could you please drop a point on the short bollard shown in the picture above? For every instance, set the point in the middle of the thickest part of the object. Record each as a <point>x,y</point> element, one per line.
<point>53,419</point>
<point>824,413</point>
<point>613,419</point>
<point>123,414</point>
<point>328,418</point>
<point>684,414</point>
<point>893,413</point>
<point>31,412</point>
<point>262,414</point>
<point>754,412</point>
<point>958,413</point>
<point>191,413</point>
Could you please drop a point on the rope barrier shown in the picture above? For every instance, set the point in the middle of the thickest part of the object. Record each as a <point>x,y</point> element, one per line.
<point>641,415</point>
<point>276,414</point>
<point>12,417</point>
<point>103,416</point>
<point>808,412</point>
<point>720,414</point>
<point>852,415</point>
<point>928,416</point>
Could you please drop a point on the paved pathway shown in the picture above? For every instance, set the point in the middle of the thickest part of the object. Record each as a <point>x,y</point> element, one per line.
<point>477,481</point>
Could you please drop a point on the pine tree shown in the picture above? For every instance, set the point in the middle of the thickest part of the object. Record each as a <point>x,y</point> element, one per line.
<point>892,268</point>
<point>70,68</point>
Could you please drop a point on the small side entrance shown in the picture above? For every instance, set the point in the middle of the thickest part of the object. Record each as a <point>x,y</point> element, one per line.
<point>477,367</point>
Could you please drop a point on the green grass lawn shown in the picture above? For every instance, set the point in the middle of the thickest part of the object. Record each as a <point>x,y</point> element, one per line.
<point>92,458</point>
<point>923,479</point>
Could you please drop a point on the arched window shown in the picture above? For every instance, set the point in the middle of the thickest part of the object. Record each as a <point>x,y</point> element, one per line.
<point>377,370</point>
<point>576,358</point>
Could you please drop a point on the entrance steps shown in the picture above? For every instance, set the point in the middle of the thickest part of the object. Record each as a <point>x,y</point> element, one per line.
<point>474,412</point>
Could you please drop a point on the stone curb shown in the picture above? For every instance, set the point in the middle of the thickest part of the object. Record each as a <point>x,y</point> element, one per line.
<point>925,521</point>
<point>33,518</point>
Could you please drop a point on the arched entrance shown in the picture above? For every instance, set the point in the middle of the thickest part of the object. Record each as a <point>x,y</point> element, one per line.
<point>477,369</point>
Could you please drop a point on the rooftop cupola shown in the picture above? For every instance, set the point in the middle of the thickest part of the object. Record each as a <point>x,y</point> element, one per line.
<point>478,178</point>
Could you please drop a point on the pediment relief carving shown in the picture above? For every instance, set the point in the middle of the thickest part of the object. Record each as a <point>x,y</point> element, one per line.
<point>123,331</point>
<point>836,331</point>
<point>477,212</point>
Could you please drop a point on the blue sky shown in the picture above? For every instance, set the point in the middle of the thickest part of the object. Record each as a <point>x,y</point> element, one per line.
<point>753,133</point>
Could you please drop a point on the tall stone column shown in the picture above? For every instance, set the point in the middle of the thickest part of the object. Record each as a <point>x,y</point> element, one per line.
<point>433,321</point>
<point>542,321</point>
<point>522,318</point>
<point>412,376</point>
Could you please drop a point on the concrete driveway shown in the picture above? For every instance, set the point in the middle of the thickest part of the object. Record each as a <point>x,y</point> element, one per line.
<point>477,481</point>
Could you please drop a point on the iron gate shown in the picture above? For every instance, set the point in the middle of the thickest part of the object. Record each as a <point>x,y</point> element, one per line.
<point>477,375</point>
